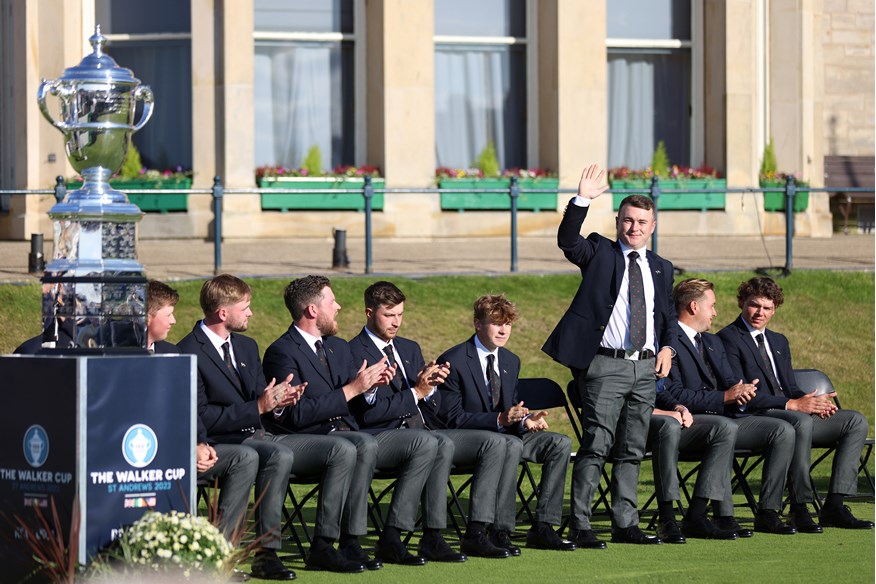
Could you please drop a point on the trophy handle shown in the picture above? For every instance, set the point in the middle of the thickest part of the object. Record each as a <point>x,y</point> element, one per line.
<point>144,93</point>
<point>54,88</point>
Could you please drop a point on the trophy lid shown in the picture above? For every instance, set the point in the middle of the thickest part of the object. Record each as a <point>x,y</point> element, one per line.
<point>98,66</point>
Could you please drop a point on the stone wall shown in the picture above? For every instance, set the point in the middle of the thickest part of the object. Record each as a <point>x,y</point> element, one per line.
<point>847,44</point>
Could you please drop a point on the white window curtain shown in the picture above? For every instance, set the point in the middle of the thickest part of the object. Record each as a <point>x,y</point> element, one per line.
<point>630,112</point>
<point>471,89</point>
<point>649,99</point>
<point>293,114</point>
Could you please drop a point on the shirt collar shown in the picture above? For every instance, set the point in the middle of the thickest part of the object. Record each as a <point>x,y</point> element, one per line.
<point>691,334</point>
<point>378,342</point>
<point>483,351</point>
<point>751,330</point>
<point>215,339</point>
<point>309,338</point>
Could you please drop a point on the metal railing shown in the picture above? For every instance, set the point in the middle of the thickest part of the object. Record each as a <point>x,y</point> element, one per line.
<point>368,191</point>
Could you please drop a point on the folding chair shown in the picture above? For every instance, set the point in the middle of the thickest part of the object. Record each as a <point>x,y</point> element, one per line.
<point>296,515</point>
<point>813,378</point>
<point>575,410</point>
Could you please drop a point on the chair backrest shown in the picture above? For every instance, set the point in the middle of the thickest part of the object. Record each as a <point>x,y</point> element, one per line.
<point>809,379</point>
<point>814,379</point>
<point>540,393</point>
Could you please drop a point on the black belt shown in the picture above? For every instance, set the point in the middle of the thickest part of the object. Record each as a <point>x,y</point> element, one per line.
<point>339,425</point>
<point>621,354</point>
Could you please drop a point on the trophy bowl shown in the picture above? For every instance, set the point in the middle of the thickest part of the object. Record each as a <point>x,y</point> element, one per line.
<point>97,105</point>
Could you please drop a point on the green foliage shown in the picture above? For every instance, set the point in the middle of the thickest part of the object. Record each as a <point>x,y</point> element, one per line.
<point>660,161</point>
<point>132,165</point>
<point>768,165</point>
<point>312,163</point>
<point>487,161</point>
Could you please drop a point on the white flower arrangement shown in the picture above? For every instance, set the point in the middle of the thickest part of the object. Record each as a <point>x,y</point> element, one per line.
<point>174,541</point>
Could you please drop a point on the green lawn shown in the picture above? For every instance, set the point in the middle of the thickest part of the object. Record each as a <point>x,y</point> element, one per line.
<point>828,318</point>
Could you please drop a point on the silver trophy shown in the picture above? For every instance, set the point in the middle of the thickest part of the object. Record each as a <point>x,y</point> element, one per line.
<point>94,288</point>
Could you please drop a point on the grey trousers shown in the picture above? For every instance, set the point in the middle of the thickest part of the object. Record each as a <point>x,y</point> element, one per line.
<point>712,438</point>
<point>410,453</point>
<point>776,438</point>
<point>235,470</point>
<point>552,451</point>
<point>331,460</point>
<point>482,450</point>
<point>275,466</point>
<point>846,430</point>
<point>617,396</point>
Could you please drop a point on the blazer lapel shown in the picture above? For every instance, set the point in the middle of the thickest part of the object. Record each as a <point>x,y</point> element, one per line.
<point>751,346</point>
<point>619,269</point>
<point>246,382</point>
<point>509,382</point>
<point>474,366</point>
<point>695,355</point>
<point>304,347</point>
<point>210,351</point>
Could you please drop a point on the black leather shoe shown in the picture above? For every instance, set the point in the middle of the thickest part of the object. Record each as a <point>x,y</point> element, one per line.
<point>545,538</point>
<point>501,539</point>
<point>478,546</point>
<point>586,539</point>
<point>842,517</point>
<point>702,528</point>
<point>669,532</point>
<point>802,521</point>
<point>730,523</point>
<point>392,551</point>
<point>238,576</point>
<point>267,566</point>
<point>768,521</point>
<point>634,535</point>
<point>329,559</point>
<point>435,549</point>
<point>355,553</point>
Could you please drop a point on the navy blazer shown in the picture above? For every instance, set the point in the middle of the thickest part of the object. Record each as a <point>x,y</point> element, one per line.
<point>392,406</point>
<point>167,348</point>
<point>465,397</point>
<point>745,359</point>
<point>323,401</point>
<point>689,383</point>
<point>576,337</point>
<point>227,406</point>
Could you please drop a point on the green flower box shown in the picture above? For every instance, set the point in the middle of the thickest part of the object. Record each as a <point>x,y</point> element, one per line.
<point>693,199</point>
<point>323,199</point>
<point>497,201</point>
<point>157,203</point>
<point>775,200</point>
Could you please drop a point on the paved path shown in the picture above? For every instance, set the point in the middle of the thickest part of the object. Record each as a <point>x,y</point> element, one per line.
<point>172,259</point>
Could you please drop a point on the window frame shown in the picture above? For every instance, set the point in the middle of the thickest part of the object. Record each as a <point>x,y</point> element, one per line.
<point>697,97</point>
<point>531,60</point>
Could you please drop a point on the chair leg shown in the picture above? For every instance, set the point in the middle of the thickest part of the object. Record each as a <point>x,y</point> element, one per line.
<point>454,508</point>
<point>740,478</point>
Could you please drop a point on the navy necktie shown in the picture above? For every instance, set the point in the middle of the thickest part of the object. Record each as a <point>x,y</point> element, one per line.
<point>775,386</point>
<point>702,351</point>
<point>638,322</point>
<point>397,382</point>
<point>494,382</point>
<point>320,352</point>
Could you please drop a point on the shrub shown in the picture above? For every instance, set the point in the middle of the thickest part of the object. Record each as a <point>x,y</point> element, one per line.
<point>660,160</point>
<point>487,161</point>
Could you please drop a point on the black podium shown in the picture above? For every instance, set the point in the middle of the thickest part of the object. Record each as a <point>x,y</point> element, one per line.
<point>116,433</point>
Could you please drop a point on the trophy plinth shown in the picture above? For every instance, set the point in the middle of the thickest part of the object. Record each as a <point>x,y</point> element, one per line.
<point>94,288</point>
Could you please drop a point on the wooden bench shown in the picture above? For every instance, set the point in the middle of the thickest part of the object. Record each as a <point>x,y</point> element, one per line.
<point>851,171</point>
